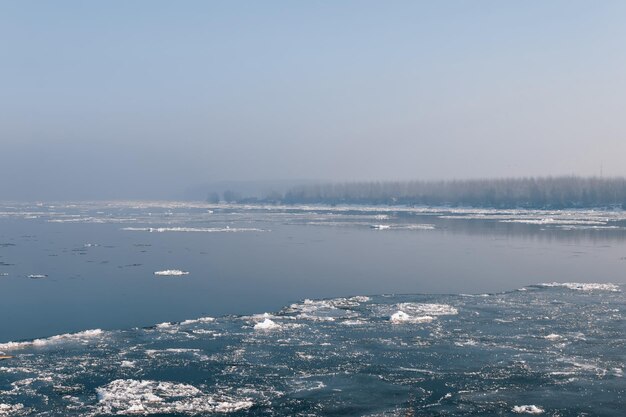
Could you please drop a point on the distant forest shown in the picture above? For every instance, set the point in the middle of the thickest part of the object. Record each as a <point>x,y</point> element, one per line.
<point>544,192</point>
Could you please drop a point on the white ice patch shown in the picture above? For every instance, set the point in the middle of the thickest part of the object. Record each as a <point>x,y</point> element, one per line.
<point>68,337</point>
<point>171,273</point>
<point>402,317</point>
<point>416,312</point>
<point>583,286</point>
<point>417,226</point>
<point>527,409</point>
<point>267,324</point>
<point>169,351</point>
<point>326,310</point>
<point>129,396</point>
<point>196,321</point>
<point>551,220</point>
<point>194,229</point>
<point>10,409</point>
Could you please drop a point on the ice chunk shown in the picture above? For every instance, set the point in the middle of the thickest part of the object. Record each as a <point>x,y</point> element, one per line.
<point>194,229</point>
<point>267,324</point>
<point>402,317</point>
<point>70,337</point>
<point>10,409</point>
<point>129,396</point>
<point>527,409</point>
<point>585,286</point>
<point>171,273</point>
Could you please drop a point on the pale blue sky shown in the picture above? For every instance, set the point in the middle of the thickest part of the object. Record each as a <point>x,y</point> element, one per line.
<point>143,98</point>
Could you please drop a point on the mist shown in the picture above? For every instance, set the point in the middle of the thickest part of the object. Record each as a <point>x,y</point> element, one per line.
<point>150,99</point>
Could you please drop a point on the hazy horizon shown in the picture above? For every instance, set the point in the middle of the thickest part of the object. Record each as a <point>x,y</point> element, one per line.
<point>150,99</point>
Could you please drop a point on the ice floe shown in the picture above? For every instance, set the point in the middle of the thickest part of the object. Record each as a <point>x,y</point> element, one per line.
<point>198,320</point>
<point>430,309</point>
<point>326,310</point>
<point>578,286</point>
<point>527,409</point>
<point>267,324</point>
<point>420,312</point>
<point>67,337</point>
<point>10,409</point>
<point>171,273</point>
<point>145,397</point>
<point>194,229</point>
<point>415,226</point>
<point>402,317</point>
<point>37,276</point>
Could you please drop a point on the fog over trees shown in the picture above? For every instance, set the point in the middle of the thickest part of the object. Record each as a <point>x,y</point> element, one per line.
<point>543,192</point>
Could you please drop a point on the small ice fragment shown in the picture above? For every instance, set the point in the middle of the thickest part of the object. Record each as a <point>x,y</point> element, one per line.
<point>171,273</point>
<point>267,324</point>
<point>37,276</point>
<point>399,317</point>
<point>527,409</point>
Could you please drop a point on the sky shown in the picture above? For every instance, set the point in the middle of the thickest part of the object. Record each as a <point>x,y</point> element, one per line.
<point>143,99</point>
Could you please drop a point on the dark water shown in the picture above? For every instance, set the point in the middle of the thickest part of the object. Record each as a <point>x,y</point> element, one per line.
<point>552,350</point>
<point>68,268</point>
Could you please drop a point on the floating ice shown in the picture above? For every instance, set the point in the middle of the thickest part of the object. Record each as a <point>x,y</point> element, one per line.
<point>171,273</point>
<point>199,320</point>
<point>10,409</point>
<point>527,409</point>
<point>402,317</point>
<point>550,220</point>
<point>37,276</point>
<point>194,229</point>
<point>267,324</point>
<point>583,286</point>
<point>430,309</point>
<point>416,226</point>
<point>68,337</point>
<point>419,226</point>
<point>418,312</point>
<point>326,310</point>
<point>145,397</point>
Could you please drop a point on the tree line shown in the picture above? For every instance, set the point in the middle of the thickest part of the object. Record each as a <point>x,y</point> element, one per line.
<point>530,192</point>
<point>544,192</point>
